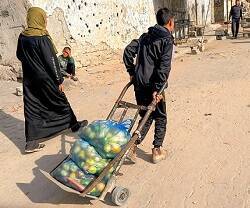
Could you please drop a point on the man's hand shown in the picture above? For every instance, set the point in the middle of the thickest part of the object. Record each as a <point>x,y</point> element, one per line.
<point>157,97</point>
<point>61,88</point>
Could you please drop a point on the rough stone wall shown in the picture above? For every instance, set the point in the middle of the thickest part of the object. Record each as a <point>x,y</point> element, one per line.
<point>112,21</point>
<point>12,21</point>
<point>85,53</point>
<point>96,29</point>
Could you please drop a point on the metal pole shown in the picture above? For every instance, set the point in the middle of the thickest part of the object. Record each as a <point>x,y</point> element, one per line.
<point>125,89</point>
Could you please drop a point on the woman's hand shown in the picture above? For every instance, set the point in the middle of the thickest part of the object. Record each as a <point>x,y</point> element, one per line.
<point>61,88</point>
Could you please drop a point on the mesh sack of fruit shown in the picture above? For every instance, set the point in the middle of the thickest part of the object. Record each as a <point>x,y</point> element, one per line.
<point>69,174</point>
<point>87,158</point>
<point>97,191</point>
<point>108,137</point>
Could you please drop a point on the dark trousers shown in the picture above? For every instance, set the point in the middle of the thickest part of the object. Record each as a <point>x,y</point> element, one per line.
<point>71,69</point>
<point>145,97</point>
<point>235,27</point>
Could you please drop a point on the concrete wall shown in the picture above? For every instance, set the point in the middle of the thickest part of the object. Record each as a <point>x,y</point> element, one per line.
<point>197,10</point>
<point>201,8</point>
<point>94,29</point>
<point>219,8</point>
<point>12,21</point>
<point>114,22</point>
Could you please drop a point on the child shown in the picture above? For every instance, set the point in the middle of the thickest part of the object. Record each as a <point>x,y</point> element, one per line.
<point>150,72</point>
<point>67,64</point>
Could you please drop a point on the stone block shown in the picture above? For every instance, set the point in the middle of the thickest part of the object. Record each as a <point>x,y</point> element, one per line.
<point>19,91</point>
<point>195,50</point>
<point>202,48</point>
<point>219,37</point>
<point>193,34</point>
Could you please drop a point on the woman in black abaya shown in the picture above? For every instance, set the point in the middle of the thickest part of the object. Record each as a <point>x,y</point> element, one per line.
<point>46,108</point>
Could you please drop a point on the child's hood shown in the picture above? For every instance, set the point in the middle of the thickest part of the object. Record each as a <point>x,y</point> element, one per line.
<point>158,32</point>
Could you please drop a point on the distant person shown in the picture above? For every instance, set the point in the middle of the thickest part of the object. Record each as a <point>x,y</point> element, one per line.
<point>154,52</point>
<point>67,64</point>
<point>236,15</point>
<point>46,108</point>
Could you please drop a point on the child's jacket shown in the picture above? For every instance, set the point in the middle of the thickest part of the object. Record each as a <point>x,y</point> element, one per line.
<point>154,54</point>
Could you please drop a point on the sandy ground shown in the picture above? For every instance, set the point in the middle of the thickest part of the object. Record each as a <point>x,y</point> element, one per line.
<point>208,137</point>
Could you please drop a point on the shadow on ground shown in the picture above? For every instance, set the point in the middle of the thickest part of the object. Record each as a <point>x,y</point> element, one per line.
<point>144,155</point>
<point>13,129</point>
<point>41,190</point>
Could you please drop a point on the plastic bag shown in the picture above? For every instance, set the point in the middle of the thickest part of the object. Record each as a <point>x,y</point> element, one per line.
<point>86,157</point>
<point>108,137</point>
<point>97,191</point>
<point>69,174</point>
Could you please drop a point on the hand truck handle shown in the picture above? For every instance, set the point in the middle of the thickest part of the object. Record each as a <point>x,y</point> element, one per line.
<point>124,91</point>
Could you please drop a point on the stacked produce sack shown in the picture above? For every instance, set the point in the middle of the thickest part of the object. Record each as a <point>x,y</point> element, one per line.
<point>72,176</point>
<point>87,158</point>
<point>99,143</point>
<point>108,137</point>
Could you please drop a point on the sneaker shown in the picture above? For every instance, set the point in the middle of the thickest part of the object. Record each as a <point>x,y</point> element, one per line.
<point>36,149</point>
<point>158,155</point>
<point>132,154</point>
<point>78,125</point>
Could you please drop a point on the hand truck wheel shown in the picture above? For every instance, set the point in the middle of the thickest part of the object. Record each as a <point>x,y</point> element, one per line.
<point>120,195</point>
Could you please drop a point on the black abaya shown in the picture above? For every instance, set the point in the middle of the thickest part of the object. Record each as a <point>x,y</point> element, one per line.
<point>46,109</point>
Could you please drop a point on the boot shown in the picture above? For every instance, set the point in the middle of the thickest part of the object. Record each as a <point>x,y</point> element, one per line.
<point>158,155</point>
<point>132,154</point>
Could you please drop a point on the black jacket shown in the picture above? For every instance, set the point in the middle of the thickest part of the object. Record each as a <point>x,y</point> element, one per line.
<point>236,12</point>
<point>39,60</point>
<point>154,55</point>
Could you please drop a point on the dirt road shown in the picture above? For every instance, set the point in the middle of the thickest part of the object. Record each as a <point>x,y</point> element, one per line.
<point>208,138</point>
